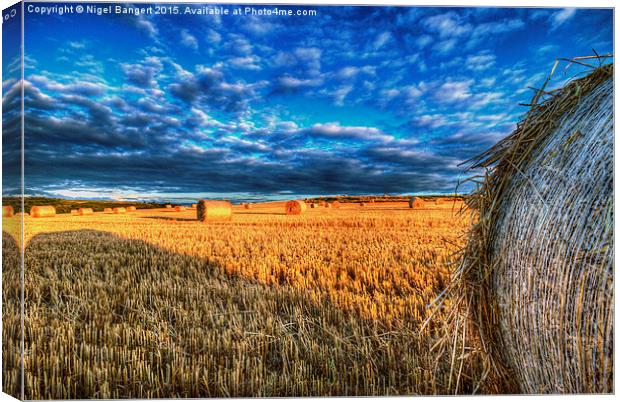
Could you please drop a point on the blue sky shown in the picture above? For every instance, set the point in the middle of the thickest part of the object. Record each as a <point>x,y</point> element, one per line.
<point>354,100</point>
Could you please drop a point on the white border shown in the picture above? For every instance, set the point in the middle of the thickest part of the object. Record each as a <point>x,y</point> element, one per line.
<point>479,3</point>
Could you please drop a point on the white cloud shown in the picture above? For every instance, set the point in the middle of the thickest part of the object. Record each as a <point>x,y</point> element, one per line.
<point>447,25</point>
<point>381,40</point>
<point>189,40</point>
<point>560,17</point>
<point>453,91</point>
<point>480,61</point>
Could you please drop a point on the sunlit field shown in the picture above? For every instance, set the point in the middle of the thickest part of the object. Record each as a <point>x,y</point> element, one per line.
<point>154,303</point>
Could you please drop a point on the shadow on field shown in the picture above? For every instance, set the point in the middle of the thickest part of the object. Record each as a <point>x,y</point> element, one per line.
<point>120,318</point>
<point>11,323</point>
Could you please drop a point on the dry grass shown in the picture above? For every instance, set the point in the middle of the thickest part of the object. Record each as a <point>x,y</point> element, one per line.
<point>149,305</point>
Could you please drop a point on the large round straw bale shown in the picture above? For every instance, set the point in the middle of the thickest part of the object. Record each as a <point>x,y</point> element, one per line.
<point>208,210</point>
<point>85,211</point>
<point>537,274</point>
<point>294,207</point>
<point>416,202</point>
<point>7,211</point>
<point>107,210</point>
<point>131,208</point>
<point>179,208</point>
<point>119,210</point>
<point>42,211</point>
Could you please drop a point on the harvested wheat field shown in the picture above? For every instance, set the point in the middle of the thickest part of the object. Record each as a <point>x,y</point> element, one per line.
<point>153,304</point>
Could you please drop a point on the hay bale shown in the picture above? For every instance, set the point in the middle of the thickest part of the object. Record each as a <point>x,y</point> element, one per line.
<point>107,210</point>
<point>119,210</point>
<point>7,211</point>
<point>536,277</point>
<point>168,206</point>
<point>336,204</point>
<point>131,208</point>
<point>295,207</point>
<point>247,206</point>
<point>327,205</point>
<point>314,205</point>
<point>74,212</point>
<point>85,211</point>
<point>42,211</point>
<point>194,206</point>
<point>362,204</point>
<point>179,208</point>
<point>208,210</point>
<point>416,202</point>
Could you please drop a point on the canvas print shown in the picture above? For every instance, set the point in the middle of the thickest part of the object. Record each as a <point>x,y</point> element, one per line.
<point>207,200</point>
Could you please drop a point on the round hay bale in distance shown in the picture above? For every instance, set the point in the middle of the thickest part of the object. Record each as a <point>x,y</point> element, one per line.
<point>536,278</point>
<point>179,208</point>
<point>107,210</point>
<point>416,202</point>
<point>168,206</point>
<point>7,211</point>
<point>193,205</point>
<point>247,206</point>
<point>295,207</point>
<point>119,210</point>
<point>336,204</point>
<point>74,212</point>
<point>42,211</point>
<point>85,211</point>
<point>208,210</point>
<point>131,208</point>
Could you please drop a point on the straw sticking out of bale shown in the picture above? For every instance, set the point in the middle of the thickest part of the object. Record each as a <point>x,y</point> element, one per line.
<point>534,290</point>
<point>119,210</point>
<point>85,211</point>
<point>416,202</point>
<point>7,211</point>
<point>45,211</point>
<point>295,207</point>
<point>208,210</point>
<point>131,208</point>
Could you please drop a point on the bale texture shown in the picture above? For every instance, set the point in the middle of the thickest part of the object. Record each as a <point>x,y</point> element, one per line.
<point>535,285</point>
<point>295,207</point>
<point>119,210</point>
<point>131,208</point>
<point>42,211</point>
<point>7,211</point>
<point>416,202</point>
<point>208,210</point>
<point>85,211</point>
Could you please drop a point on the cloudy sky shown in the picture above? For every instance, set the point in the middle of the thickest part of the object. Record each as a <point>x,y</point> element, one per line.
<point>354,100</point>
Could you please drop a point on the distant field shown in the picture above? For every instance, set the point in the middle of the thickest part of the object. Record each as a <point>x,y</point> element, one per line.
<point>156,304</point>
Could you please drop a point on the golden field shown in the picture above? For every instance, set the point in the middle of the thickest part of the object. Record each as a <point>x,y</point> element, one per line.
<point>154,303</point>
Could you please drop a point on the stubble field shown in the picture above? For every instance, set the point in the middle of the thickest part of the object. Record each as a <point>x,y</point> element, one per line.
<point>156,304</point>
